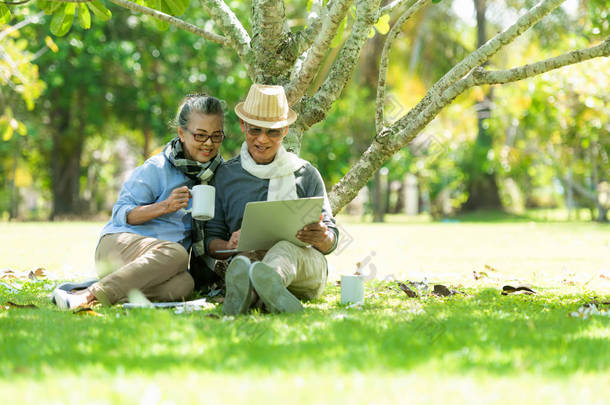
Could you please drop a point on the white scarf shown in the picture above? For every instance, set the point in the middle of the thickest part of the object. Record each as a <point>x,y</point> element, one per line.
<point>282,184</point>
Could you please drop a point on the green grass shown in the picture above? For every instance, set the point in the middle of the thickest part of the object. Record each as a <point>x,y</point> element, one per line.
<point>479,347</point>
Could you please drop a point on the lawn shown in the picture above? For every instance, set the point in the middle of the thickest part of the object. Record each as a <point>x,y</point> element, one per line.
<point>477,347</point>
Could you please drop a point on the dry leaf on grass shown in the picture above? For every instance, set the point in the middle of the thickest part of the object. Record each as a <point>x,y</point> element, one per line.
<point>410,293</point>
<point>479,274</point>
<point>442,291</point>
<point>86,311</point>
<point>10,304</point>
<point>36,274</point>
<point>7,274</point>
<point>510,290</point>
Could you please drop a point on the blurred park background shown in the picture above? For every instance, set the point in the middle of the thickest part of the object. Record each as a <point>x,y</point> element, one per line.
<point>79,112</point>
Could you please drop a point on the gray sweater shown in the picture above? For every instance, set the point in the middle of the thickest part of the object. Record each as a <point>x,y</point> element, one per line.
<point>235,187</point>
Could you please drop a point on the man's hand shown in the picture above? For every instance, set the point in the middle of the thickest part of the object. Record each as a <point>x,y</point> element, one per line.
<point>178,198</point>
<point>234,240</point>
<point>318,235</point>
<point>219,244</point>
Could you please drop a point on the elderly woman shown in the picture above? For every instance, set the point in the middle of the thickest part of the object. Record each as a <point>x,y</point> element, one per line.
<point>145,244</point>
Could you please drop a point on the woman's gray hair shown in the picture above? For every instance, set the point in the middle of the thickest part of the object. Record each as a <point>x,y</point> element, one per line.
<point>200,103</point>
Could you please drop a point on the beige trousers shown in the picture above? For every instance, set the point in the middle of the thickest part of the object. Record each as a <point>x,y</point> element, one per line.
<point>304,270</point>
<point>126,261</point>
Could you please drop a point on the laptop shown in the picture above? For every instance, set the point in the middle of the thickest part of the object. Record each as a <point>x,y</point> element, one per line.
<point>267,222</point>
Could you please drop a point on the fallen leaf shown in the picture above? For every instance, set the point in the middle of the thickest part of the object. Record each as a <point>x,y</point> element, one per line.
<point>36,274</point>
<point>410,293</point>
<point>479,275</point>
<point>420,286</point>
<point>509,289</point>
<point>442,291</point>
<point>13,305</point>
<point>86,311</point>
<point>488,267</point>
<point>7,274</point>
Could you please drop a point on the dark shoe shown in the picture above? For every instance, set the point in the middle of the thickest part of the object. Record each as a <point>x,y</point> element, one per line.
<point>239,290</point>
<point>270,288</point>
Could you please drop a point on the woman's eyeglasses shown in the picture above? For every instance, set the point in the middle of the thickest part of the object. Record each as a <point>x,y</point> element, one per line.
<point>216,137</point>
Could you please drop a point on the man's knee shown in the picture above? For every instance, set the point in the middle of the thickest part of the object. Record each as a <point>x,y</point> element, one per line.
<point>284,245</point>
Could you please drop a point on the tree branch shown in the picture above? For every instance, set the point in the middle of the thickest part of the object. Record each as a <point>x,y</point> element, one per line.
<point>390,140</point>
<point>233,29</point>
<point>315,109</point>
<point>413,7</point>
<point>33,19</point>
<point>391,6</point>
<point>269,28</point>
<point>482,76</point>
<point>482,54</point>
<point>304,38</point>
<point>301,81</point>
<point>173,21</point>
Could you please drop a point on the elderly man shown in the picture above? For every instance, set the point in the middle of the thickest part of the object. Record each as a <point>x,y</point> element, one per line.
<point>264,170</point>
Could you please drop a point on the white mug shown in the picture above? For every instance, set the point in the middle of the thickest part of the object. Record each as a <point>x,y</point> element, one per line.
<point>352,289</point>
<point>203,202</point>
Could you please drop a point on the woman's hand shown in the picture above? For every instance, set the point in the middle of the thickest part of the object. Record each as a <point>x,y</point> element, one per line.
<point>317,235</point>
<point>178,198</point>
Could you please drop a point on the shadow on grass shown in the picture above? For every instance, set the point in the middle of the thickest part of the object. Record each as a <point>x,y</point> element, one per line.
<point>484,332</point>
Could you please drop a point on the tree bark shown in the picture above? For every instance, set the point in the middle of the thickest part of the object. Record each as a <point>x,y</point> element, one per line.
<point>67,150</point>
<point>483,192</point>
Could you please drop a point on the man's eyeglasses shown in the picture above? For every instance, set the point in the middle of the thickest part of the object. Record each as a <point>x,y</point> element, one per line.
<point>271,133</point>
<point>216,137</point>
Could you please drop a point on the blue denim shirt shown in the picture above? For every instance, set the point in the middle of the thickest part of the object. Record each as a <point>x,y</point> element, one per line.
<point>150,183</point>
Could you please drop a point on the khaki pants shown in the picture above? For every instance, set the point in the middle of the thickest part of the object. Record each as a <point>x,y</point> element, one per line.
<point>304,270</point>
<point>126,261</point>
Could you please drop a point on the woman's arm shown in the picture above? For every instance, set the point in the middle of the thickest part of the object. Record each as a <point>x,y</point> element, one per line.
<point>178,198</point>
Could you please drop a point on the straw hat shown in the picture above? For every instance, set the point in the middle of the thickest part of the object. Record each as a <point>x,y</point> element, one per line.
<point>266,106</point>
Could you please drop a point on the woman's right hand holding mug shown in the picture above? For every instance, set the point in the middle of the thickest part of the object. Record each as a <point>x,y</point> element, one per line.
<point>178,199</point>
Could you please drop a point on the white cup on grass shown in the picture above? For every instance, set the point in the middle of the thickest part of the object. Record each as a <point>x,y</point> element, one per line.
<point>352,289</point>
<point>203,202</point>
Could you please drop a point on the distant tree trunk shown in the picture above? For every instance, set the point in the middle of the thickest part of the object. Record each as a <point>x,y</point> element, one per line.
<point>67,150</point>
<point>370,74</point>
<point>147,138</point>
<point>14,199</point>
<point>483,192</point>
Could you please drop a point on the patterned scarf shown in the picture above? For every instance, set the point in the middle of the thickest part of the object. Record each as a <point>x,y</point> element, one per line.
<point>201,173</point>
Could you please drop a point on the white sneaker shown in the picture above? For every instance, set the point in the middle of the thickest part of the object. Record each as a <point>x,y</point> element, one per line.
<point>65,300</point>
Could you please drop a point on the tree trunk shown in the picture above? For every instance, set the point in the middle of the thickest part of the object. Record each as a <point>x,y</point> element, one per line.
<point>67,150</point>
<point>378,198</point>
<point>483,192</point>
